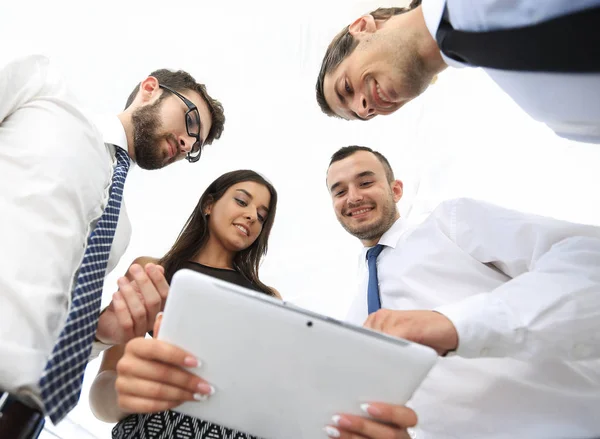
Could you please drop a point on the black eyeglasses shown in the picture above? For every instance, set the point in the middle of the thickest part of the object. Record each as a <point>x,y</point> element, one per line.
<point>192,124</point>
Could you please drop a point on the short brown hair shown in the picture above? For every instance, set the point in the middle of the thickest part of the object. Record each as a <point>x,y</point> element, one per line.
<point>342,45</point>
<point>347,151</point>
<point>180,81</point>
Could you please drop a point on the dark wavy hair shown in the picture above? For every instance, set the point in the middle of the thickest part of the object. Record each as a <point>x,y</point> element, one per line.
<point>342,45</point>
<point>195,232</point>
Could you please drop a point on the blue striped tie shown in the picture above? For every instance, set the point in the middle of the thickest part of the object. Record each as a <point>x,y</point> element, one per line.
<point>373,299</point>
<point>61,381</point>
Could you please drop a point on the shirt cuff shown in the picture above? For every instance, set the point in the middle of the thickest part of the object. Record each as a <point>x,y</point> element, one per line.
<point>97,348</point>
<point>486,327</point>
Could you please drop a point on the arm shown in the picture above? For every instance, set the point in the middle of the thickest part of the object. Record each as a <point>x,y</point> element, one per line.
<point>551,306</point>
<point>103,396</point>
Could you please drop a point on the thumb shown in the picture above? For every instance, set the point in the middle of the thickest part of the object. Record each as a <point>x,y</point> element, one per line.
<point>157,323</point>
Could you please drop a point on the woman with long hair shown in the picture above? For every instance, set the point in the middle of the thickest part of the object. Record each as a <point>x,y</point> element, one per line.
<point>225,237</point>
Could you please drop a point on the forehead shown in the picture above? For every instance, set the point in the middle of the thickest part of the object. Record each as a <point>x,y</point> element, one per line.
<point>259,192</point>
<point>349,168</point>
<point>200,103</point>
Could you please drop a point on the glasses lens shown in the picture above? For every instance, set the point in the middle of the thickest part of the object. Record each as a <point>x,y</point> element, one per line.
<point>192,122</point>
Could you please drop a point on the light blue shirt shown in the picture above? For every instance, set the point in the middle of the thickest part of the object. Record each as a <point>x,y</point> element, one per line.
<point>568,103</point>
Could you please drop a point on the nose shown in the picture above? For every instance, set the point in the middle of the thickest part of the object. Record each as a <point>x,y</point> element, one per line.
<point>354,195</point>
<point>362,107</point>
<point>186,143</point>
<point>250,215</point>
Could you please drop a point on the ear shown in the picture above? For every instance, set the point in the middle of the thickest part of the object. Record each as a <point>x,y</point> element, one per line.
<point>157,323</point>
<point>208,204</point>
<point>363,25</point>
<point>397,190</point>
<point>149,89</point>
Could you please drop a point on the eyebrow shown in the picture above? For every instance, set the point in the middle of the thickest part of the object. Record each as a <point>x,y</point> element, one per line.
<point>249,195</point>
<point>357,176</point>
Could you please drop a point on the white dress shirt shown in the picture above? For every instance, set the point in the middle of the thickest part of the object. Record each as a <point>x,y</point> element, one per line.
<point>523,292</point>
<point>56,173</point>
<point>568,103</point>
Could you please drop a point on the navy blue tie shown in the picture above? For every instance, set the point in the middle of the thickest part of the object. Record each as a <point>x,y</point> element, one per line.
<point>61,381</point>
<point>373,299</point>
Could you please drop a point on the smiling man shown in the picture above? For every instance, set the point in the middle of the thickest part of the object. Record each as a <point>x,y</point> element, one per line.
<point>509,300</point>
<point>388,57</point>
<point>64,225</point>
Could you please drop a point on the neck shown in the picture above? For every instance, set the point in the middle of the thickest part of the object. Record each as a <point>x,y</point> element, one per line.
<point>125,119</point>
<point>425,45</point>
<point>213,254</point>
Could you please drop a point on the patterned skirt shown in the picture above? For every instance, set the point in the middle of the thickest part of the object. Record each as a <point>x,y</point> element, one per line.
<point>172,425</point>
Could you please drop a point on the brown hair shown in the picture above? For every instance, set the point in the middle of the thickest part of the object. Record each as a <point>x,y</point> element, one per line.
<point>342,45</point>
<point>195,232</point>
<point>181,81</point>
<point>347,151</point>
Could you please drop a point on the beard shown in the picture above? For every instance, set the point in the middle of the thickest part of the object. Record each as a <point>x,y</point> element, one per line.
<point>371,231</point>
<point>146,137</point>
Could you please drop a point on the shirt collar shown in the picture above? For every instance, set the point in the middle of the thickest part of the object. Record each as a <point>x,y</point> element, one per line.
<point>392,236</point>
<point>112,131</point>
<point>433,11</point>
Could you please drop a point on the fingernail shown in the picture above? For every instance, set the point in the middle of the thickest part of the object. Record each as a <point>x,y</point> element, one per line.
<point>368,408</point>
<point>191,362</point>
<point>200,397</point>
<point>206,389</point>
<point>341,422</point>
<point>331,431</point>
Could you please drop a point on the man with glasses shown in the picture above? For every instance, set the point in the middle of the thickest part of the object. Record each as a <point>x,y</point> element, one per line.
<point>64,226</point>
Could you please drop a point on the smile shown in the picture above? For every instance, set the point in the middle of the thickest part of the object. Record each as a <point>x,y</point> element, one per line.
<point>242,229</point>
<point>360,211</point>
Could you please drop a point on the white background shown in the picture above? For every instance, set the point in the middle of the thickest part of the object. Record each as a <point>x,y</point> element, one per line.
<point>465,137</point>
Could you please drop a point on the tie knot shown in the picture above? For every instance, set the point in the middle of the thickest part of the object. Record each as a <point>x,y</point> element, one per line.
<point>373,252</point>
<point>122,157</point>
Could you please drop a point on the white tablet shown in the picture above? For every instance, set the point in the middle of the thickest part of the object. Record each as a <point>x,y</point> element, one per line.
<point>281,372</point>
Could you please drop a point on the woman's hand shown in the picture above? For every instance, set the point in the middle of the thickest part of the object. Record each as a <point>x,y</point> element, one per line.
<point>386,421</point>
<point>151,378</point>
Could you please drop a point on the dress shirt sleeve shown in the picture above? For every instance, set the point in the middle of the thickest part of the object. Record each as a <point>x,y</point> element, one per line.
<point>20,82</point>
<point>55,172</point>
<point>551,306</point>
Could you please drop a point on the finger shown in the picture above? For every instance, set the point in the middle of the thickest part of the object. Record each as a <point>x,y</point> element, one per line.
<point>158,391</point>
<point>151,298</point>
<point>398,415</point>
<point>136,308</point>
<point>157,275</point>
<point>123,316</point>
<point>134,404</point>
<point>157,323</point>
<point>363,427</point>
<point>370,321</point>
<point>337,432</point>
<point>159,363</point>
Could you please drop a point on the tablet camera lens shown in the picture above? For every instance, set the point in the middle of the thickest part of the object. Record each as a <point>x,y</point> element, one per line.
<point>309,323</point>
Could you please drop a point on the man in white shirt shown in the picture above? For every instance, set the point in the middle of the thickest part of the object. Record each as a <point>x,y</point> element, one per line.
<point>388,57</point>
<point>510,300</point>
<point>56,166</point>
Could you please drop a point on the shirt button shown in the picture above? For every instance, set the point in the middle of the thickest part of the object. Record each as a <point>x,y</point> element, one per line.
<point>581,351</point>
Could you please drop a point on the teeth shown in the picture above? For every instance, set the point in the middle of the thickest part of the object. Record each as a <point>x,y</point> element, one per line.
<point>380,95</point>
<point>358,212</point>
<point>242,229</point>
